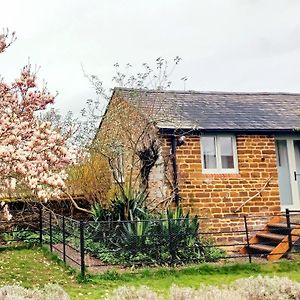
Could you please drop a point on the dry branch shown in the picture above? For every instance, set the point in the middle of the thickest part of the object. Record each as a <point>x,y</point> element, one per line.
<point>254,196</point>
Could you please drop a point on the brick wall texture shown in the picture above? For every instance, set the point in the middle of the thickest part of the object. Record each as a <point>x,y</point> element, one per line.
<point>217,196</point>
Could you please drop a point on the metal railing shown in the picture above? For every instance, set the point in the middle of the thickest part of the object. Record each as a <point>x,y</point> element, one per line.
<point>154,241</point>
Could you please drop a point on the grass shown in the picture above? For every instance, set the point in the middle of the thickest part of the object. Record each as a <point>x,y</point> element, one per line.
<point>34,267</point>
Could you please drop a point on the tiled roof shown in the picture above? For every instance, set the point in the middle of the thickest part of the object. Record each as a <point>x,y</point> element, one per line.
<point>217,110</point>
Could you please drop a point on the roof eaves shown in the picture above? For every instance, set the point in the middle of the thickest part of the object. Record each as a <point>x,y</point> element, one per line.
<point>103,117</point>
<point>234,130</point>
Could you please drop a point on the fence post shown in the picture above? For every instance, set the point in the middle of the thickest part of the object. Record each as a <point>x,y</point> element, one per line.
<point>82,262</point>
<point>247,237</point>
<point>288,225</point>
<point>50,231</point>
<point>41,224</point>
<point>64,238</point>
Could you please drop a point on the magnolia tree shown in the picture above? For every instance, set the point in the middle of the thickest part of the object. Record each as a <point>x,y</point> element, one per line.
<point>33,156</point>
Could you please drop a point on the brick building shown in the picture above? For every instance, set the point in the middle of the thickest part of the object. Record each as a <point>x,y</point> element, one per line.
<point>222,154</point>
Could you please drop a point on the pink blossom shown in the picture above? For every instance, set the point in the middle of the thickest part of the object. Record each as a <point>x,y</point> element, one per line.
<point>6,213</point>
<point>31,152</point>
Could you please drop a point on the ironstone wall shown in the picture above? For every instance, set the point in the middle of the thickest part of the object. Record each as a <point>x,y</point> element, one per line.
<point>218,195</point>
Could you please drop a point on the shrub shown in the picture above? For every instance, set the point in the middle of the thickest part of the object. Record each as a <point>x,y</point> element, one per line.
<point>19,234</point>
<point>169,238</point>
<point>252,288</point>
<point>265,287</point>
<point>205,293</point>
<point>133,293</point>
<point>137,237</point>
<point>101,251</point>
<point>91,178</point>
<point>212,253</point>
<point>50,292</point>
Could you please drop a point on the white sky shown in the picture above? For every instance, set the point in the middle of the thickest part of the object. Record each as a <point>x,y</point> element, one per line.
<point>226,45</point>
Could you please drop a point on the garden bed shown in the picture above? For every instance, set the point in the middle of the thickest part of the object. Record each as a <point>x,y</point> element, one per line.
<point>73,259</point>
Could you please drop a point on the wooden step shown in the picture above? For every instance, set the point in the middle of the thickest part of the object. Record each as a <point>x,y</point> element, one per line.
<point>271,236</point>
<point>278,225</point>
<point>262,247</point>
<point>275,230</point>
<point>283,247</point>
<point>255,239</point>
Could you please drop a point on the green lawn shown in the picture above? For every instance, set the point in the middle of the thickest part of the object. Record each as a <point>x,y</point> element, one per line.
<point>30,267</point>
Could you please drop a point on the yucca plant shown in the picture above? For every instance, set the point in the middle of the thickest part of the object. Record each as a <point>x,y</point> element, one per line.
<point>176,234</point>
<point>100,213</point>
<point>170,238</point>
<point>135,236</point>
<point>129,204</point>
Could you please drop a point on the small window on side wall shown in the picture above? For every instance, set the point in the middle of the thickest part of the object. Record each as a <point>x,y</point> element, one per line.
<point>119,172</point>
<point>219,154</point>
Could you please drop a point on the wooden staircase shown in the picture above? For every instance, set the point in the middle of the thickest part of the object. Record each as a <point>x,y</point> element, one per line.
<point>274,240</point>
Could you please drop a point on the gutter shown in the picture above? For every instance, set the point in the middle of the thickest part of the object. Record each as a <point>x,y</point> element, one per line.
<point>187,131</point>
<point>175,169</point>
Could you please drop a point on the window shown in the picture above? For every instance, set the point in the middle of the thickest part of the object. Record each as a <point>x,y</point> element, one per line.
<point>219,154</point>
<point>119,165</point>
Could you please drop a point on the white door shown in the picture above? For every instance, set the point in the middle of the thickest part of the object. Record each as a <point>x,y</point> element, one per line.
<point>288,165</point>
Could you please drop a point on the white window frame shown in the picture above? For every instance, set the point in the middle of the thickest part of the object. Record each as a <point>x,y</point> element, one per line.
<point>119,170</point>
<point>219,169</point>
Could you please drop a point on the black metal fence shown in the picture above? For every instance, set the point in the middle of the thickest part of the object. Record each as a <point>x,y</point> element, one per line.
<point>100,245</point>
<point>21,227</point>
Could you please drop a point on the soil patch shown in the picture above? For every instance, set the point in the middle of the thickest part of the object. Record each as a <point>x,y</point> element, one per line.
<point>93,264</point>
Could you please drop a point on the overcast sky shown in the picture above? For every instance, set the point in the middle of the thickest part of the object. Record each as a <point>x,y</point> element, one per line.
<point>226,45</point>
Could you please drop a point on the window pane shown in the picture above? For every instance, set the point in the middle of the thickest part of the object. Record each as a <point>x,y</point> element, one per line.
<point>284,177</point>
<point>120,167</point>
<point>119,164</point>
<point>209,152</point>
<point>297,154</point>
<point>226,149</point>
